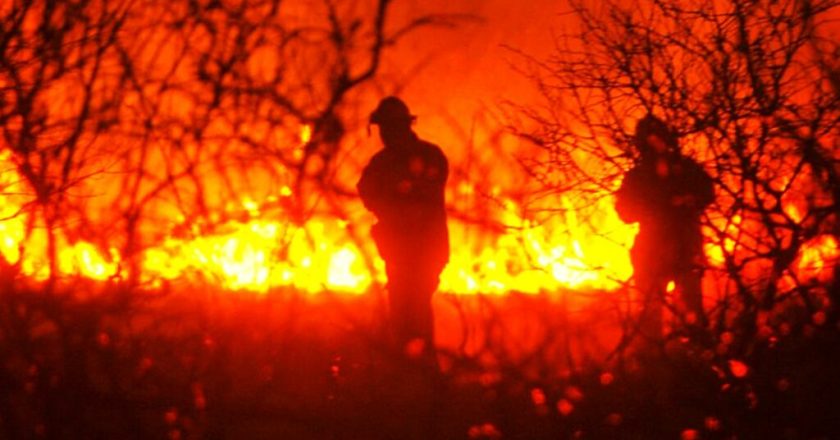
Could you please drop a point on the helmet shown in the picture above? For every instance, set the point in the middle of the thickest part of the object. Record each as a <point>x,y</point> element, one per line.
<point>391,110</point>
<point>651,125</point>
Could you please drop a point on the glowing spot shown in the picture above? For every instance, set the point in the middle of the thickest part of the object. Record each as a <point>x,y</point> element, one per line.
<point>690,434</point>
<point>574,393</point>
<point>565,407</point>
<point>783,384</point>
<point>738,368</point>
<point>103,339</point>
<point>819,318</point>
<point>171,416</point>
<point>490,430</point>
<point>474,431</point>
<point>415,348</point>
<point>671,286</point>
<point>486,430</point>
<point>614,419</point>
<point>84,259</point>
<point>793,212</point>
<point>145,364</point>
<point>712,423</point>
<point>344,272</point>
<point>752,400</point>
<point>251,206</point>
<point>489,379</point>
<point>305,133</point>
<point>813,257</point>
<point>538,397</point>
<point>199,398</point>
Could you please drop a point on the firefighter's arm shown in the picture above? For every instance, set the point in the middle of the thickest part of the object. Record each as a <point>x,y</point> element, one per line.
<point>373,187</point>
<point>701,192</point>
<point>626,203</point>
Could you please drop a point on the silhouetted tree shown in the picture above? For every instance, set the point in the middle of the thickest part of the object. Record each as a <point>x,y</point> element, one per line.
<point>56,71</point>
<point>131,121</point>
<point>121,114</point>
<point>223,92</point>
<point>746,88</point>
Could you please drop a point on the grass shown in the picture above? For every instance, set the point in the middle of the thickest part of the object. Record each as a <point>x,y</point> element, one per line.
<point>101,361</point>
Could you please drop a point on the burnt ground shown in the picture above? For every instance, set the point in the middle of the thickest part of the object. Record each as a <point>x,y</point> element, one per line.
<point>94,362</point>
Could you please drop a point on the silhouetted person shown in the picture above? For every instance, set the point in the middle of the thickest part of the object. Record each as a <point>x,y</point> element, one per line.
<point>666,194</point>
<point>403,185</point>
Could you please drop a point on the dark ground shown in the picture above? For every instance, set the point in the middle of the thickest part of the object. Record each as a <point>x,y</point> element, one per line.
<point>119,365</point>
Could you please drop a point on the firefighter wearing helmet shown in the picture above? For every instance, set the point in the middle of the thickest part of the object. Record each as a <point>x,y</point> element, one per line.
<point>403,186</point>
<point>666,193</point>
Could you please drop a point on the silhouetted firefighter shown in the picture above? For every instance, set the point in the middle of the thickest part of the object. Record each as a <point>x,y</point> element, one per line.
<point>403,185</point>
<point>666,194</point>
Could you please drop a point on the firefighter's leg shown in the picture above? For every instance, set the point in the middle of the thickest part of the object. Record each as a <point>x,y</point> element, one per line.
<point>399,307</point>
<point>409,295</point>
<point>421,319</point>
<point>651,293</point>
<point>411,317</point>
<point>691,296</point>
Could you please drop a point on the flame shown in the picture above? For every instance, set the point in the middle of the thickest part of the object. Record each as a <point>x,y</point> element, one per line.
<point>84,259</point>
<point>533,258</point>
<point>305,134</point>
<point>731,227</point>
<point>814,256</point>
<point>258,254</point>
<point>248,257</point>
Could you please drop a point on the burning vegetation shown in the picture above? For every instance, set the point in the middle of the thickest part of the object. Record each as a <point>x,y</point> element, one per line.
<point>183,251</point>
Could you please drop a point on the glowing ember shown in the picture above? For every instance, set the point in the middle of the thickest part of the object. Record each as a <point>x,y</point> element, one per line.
<point>305,134</point>
<point>713,423</point>
<point>690,434</point>
<point>738,368</point>
<point>538,396</point>
<point>565,407</point>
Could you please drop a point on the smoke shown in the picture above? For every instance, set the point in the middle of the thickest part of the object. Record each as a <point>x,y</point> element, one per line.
<point>466,69</point>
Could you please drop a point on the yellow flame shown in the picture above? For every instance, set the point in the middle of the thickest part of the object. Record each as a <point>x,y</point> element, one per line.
<point>344,271</point>
<point>260,254</point>
<point>814,255</point>
<point>86,260</point>
<point>305,134</point>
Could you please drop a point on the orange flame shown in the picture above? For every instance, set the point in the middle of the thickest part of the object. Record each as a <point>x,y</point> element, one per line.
<point>258,254</point>
<point>815,254</point>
